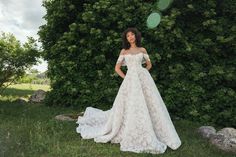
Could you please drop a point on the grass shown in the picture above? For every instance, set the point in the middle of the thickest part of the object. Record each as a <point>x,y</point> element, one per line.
<point>30,130</point>
<point>21,90</point>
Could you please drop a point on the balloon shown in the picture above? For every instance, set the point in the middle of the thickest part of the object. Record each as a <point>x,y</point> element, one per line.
<point>163,4</point>
<point>153,20</point>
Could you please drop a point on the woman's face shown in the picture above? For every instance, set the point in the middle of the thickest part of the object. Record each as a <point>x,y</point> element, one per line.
<point>130,36</point>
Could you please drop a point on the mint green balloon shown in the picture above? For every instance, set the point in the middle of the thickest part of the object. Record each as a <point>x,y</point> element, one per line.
<point>153,20</point>
<point>163,4</point>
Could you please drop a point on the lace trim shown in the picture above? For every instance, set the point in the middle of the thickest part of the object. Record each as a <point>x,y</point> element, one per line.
<point>121,58</point>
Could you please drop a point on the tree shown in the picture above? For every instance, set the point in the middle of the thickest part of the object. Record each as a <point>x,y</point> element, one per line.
<point>34,71</point>
<point>15,58</point>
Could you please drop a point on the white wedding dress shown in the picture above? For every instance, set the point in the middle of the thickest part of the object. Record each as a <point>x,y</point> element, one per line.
<point>138,120</point>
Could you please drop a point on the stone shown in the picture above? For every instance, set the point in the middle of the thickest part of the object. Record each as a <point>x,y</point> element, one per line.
<point>38,96</point>
<point>68,117</point>
<point>206,131</point>
<point>225,139</point>
<point>64,118</point>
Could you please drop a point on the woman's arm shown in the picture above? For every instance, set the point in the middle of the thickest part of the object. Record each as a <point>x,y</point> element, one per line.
<point>148,61</point>
<point>119,71</point>
<point>149,65</point>
<point>119,63</point>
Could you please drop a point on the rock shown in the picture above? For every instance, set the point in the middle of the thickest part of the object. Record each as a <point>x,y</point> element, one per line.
<point>64,118</point>
<point>229,132</point>
<point>225,139</point>
<point>206,131</point>
<point>68,117</point>
<point>37,96</point>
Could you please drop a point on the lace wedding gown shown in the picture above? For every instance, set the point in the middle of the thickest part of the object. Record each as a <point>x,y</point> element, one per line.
<point>138,119</point>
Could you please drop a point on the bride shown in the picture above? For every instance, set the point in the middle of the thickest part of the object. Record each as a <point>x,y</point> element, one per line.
<point>138,120</point>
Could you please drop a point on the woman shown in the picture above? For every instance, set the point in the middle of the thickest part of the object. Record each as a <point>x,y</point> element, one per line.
<point>138,120</point>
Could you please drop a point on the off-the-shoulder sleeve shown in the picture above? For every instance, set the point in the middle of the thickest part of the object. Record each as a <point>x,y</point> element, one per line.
<point>121,59</point>
<point>145,58</point>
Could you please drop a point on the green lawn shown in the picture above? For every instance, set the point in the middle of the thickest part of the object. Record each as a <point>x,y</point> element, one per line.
<point>30,130</point>
<point>21,90</point>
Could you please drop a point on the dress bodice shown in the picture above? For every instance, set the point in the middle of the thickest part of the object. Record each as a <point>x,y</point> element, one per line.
<point>133,60</point>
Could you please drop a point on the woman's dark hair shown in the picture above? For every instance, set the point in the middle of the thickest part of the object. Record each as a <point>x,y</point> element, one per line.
<point>126,44</point>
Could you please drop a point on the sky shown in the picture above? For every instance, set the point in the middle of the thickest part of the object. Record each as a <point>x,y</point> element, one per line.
<point>22,18</point>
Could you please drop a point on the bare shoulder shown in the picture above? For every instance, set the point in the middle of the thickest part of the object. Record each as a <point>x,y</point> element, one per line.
<point>122,52</point>
<point>143,50</point>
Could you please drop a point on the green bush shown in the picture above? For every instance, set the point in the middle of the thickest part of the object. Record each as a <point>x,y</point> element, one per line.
<point>192,52</point>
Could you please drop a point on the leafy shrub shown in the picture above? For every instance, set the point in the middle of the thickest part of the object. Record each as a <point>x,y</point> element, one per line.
<point>192,52</point>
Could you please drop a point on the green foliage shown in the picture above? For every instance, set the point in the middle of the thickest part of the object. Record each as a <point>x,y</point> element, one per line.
<point>192,52</point>
<point>34,77</point>
<point>15,58</point>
